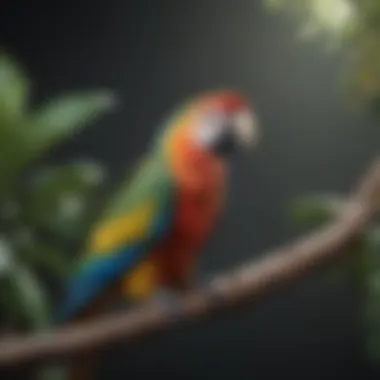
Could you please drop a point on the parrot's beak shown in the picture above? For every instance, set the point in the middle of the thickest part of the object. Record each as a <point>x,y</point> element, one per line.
<point>247,128</point>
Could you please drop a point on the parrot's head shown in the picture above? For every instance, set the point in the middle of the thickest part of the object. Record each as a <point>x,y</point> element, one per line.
<point>215,124</point>
<point>224,123</point>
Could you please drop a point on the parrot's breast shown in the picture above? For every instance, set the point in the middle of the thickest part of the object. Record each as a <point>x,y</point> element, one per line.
<point>196,214</point>
<point>172,261</point>
<point>199,185</point>
<point>197,211</point>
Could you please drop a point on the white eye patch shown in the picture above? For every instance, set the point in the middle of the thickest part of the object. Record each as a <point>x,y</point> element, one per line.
<point>209,129</point>
<point>242,125</point>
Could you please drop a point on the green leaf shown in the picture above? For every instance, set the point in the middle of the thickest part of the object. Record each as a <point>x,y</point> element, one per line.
<point>14,90</point>
<point>30,297</point>
<point>44,127</point>
<point>6,258</point>
<point>38,254</point>
<point>372,318</point>
<point>371,249</point>
<point>359,264</point>
<point>14,94</point>
<point>60,198</point>
<point>362,265</point>
<point>61,117</point>
<point>352,268</point>
<point>315,210</point>
<point>10,313</point>
<point>372,297</point>
<point>49,259</point>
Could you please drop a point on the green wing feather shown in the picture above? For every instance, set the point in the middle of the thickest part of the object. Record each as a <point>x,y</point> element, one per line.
<point>152,184</point>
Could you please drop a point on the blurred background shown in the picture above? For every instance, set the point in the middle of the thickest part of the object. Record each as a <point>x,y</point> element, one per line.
<point>312,70</point>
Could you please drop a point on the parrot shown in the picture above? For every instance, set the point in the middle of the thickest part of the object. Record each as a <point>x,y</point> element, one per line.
<point>149,235</point>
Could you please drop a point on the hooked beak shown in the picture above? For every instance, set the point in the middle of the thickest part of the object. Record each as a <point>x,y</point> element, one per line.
<point>242,132</point>
<point>247,128</point>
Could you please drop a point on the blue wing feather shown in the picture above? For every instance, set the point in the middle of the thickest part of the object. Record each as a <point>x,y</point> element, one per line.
<point>93,277</point>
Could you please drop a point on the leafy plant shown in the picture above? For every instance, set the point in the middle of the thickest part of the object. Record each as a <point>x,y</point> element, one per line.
<point>42,208</point>
<point>354,24</point>
<point>362,265</point>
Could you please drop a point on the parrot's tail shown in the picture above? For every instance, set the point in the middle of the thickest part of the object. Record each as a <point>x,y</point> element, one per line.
<point>84,365</point>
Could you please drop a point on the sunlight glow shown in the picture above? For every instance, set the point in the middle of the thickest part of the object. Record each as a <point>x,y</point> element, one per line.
<point>333,14</point>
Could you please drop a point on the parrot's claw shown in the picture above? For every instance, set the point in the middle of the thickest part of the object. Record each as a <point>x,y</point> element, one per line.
<point>171,302</point>
<point>205,285</point>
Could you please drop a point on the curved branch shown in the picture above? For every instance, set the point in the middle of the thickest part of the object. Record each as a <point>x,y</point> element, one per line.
<point>250,281</point>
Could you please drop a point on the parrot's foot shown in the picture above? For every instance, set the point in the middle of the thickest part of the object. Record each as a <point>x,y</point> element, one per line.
<point>172,303</point>
<point>206,285</point>
<point>171,300</point>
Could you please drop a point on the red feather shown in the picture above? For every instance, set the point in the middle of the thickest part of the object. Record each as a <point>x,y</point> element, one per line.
<point>200,189</point>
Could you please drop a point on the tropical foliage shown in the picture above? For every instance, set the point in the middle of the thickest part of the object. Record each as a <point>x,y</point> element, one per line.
<point>354,27</point>
<point>44,210</point>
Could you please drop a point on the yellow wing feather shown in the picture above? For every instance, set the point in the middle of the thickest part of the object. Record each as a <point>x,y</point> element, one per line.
<point>142,282</point>
<point>122,230</point>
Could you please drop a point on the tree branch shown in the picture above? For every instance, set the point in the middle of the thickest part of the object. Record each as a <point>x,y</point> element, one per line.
<point>248,282</point>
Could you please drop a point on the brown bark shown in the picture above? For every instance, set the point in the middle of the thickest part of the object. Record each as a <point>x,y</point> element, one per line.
<point>248,282</point>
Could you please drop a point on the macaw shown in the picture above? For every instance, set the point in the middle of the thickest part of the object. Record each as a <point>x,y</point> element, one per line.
<point>152,231</point>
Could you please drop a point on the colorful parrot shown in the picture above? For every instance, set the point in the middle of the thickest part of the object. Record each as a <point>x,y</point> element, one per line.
<point>151,233</point>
